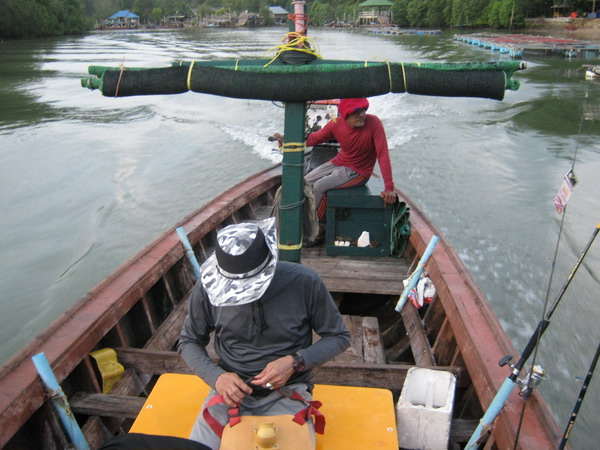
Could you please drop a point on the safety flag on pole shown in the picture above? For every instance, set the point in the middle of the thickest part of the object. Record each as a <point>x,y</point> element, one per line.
<point>561,199</point>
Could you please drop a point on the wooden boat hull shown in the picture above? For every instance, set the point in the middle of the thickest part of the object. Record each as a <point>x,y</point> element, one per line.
<point>139,310</point>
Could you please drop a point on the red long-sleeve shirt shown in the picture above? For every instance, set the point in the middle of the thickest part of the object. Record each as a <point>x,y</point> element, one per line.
<point>360,147</point>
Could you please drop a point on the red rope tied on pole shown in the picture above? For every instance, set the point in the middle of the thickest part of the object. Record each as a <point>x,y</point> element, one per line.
<point>301,21</point>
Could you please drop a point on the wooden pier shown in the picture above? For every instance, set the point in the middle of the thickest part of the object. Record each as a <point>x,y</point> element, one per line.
<point>516,45</point>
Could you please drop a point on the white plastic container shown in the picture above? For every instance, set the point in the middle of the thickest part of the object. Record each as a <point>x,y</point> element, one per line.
<point>424,409</point>
<point>364,240</point>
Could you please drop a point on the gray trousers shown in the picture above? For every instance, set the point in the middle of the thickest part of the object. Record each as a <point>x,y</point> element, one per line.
<point>329,176</point>
<point>274,404</point>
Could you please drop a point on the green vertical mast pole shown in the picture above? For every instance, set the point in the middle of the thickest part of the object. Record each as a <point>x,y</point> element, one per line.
<point>292,191</point>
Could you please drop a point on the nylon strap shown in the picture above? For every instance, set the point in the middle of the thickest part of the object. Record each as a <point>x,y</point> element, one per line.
<point>210,420</point>
<point>119,80</point>
<point>312,409</point>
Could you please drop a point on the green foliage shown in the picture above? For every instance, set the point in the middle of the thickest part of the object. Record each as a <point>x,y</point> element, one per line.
<point>265,15</point>
<point>416,11</point>
<point>399,13</point>
<point>454,13</point>
<point>35,18</point>
<point>504,14</point>
<point>235,6</point>
<point>434,16</point>
<point>156,15</point>
<point>143,8</point>
<point>175,7</point>
<point>101,9</point>
<point>320,13</point>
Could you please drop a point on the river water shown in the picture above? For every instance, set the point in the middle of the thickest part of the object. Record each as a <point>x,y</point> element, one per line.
<point>86,181</point>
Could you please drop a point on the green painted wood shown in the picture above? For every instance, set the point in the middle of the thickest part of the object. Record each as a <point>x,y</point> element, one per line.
<point>354,210</point>
<point>292,193</point>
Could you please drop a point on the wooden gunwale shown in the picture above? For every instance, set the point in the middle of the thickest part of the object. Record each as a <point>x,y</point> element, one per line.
<point>481,340</point>
<point>68,340</point>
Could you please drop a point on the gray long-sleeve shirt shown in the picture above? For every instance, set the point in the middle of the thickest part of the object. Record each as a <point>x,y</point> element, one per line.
<point>248,337</point>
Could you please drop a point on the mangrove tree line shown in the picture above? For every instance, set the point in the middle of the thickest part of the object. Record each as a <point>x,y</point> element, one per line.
<point>34,18</point>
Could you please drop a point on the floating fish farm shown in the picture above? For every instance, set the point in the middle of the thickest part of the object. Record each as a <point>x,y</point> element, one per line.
<point>516,45</point>
<point>402,31</point>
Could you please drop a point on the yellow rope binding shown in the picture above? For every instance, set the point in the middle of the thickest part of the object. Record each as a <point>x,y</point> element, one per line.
<point>404,78</point>
<point>122,66</point>
<point>295,42</point>
<point>189,78</point>
<point>281,246</point>
<point>290,147</point>
<point>390,74</point>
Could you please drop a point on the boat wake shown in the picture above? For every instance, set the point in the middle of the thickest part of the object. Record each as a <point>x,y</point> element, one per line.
<point>255,139</point>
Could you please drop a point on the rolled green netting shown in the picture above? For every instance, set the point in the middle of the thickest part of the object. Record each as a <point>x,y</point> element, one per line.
<point>321,79</point>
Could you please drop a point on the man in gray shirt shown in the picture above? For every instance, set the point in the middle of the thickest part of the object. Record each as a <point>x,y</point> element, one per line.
<point>263,312</point>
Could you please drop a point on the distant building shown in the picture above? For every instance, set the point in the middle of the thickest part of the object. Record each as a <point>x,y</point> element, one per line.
<point>122,19</point>
<point>248,19</point>
<point>280,15</point>
<point>375,12</point>
<point>561,10</point>
<point>175,21</point>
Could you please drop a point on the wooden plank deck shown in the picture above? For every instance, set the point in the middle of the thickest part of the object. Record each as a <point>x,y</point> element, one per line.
<point>365,341</point>
<point>375,275</point>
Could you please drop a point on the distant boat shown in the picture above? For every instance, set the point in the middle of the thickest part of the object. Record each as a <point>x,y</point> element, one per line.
<point>592,72</point>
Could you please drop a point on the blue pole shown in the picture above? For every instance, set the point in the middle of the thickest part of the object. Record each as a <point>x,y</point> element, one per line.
<point>416,275</point>
<point>492,412</point>
<point>189,251</point>
<point>59,400</point>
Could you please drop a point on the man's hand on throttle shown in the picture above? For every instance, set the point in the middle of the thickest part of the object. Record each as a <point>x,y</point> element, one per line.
<point>232,388</point>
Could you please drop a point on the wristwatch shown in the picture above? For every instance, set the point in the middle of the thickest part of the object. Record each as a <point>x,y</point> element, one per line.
<point>298,362</point>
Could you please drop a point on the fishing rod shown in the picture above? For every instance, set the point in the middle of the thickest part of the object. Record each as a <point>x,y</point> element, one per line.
<point>536,374</point>
<point>586,383</point>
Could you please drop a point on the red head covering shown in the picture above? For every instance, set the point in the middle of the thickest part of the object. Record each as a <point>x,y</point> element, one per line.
<point>348,105</point>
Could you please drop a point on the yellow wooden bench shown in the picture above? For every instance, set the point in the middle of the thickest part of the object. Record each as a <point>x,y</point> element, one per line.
<point>361,418</point>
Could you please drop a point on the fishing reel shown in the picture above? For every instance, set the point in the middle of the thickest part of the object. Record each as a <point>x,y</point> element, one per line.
<point>534,376</point>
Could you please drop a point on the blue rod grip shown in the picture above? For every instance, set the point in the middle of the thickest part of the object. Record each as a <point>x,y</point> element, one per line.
<point>492,412</point>
<point>189,251</point>
<point>60,402</point>
<point>416,275</point>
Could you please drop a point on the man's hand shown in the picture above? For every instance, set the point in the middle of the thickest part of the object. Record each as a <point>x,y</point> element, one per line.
<point>389,197</point>
<point>232,388</point>
<point>279,138</point>
<point>276,373</point>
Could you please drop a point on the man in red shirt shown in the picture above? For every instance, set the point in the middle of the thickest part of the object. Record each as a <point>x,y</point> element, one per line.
<point>362,142</point>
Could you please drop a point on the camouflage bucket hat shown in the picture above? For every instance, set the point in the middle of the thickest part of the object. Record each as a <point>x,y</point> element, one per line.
<point>242,266</point>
